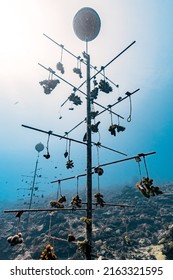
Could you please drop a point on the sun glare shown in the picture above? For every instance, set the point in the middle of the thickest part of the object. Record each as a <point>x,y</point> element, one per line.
<point>13,28</point>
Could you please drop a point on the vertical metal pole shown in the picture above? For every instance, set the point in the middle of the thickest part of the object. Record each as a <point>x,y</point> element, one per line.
<point>33,185</point>
<point>89,164</point>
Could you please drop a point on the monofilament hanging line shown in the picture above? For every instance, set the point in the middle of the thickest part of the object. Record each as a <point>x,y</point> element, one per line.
<point>47,146</point>
<point>145,164</point>
<point>77,187</point>
<point>111,117</point>
<point>102,67</point>
<point>69,149</point>
<point>59,189</point>
<point>66,146</point>
<point>17,227</point>
<point>50,75</point>
<point>98,155</point>
<point>79,63</point>
<point>138,160</point>
<point>62,48</point>
<point>130,114</point>
<point>50,227</point>
<point>98,182</point>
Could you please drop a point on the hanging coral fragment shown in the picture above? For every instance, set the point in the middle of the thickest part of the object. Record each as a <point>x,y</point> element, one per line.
<point>59,203</point>
<point>95,81</point>
<point>94,114</point>
<point>47,155</point>
<point>94,127</point>
<point>66,154</point>
<point>47,254</point>
<point>99,199</point>
<point>56,204</point>
<point>75,99</point>
<point>86,220</point>
<point>94,93</point>
<point>147,189</point>
<point>59,65</point>
<point>71,238</point>
<point>120,128</point>
<point>76,202</point>
<point>69,164</point>
<point>83,245</point>
<point>98,170</point>
<point>77,70</point>
<point>15,239</point>
<point>50,84</point>
<point>114,127</point>
<point>105,86</point>
<point>62,199</point>
<point>145,186</point>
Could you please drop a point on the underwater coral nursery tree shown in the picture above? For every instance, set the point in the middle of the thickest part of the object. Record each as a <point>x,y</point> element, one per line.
<point>86,25</point>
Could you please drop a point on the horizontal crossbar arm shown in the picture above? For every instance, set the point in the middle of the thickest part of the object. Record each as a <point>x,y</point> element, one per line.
<point>76,89</point>
<point>125,159</point>
<point>43,210</point>
<point>112,204</point>
<point>78,57</point>
<point>105,164</point>
<point>53,134</point>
